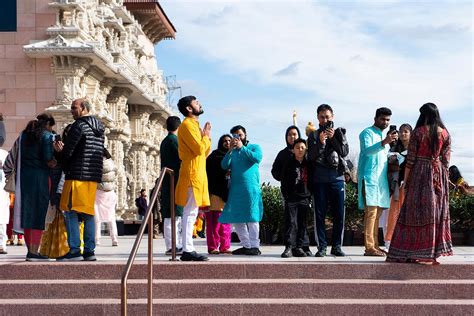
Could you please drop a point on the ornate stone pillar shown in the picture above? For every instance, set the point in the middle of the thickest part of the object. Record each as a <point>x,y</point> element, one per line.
<point>92,86</point>
<point>70,85</point>
<point>158,132</point>
<point>119,144</point>
<point>139,154</point>
<point>102,107</point>
<point>69,71</point>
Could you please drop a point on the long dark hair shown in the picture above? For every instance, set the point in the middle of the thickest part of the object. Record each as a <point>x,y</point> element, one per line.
<point>34,129</point>
<point>429,116</point>
<point>454,174</point>
<point>220,143</point>
<point>399,145</point>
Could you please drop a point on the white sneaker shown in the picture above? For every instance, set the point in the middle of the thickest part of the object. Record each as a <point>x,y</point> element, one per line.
<point>114,243</point>
<point>97,242</point>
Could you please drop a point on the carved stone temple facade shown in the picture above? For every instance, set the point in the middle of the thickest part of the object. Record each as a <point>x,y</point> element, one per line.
<point>102,50</point>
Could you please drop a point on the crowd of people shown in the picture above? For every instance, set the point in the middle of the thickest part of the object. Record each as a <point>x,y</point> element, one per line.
<point>404,171</point>
<point>51,175</point>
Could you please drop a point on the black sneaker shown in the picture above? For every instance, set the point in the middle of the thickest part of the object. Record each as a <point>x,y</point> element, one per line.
<point>89,256</point>
<point>287,253</point>
<point>337,251</point>
<point>307,251</point>
<point>179,251</point>
<point>254,252</point>
<point>193,256</point>
<point>241,251</point>
<point>321,253</point>
<point>298,252</point>
<point>70,257</point>
<point>31,257</point>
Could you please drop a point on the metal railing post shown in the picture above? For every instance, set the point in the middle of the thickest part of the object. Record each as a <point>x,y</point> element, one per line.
<point>173,219</point>
<point>147,220</point>
<point>150,266</point>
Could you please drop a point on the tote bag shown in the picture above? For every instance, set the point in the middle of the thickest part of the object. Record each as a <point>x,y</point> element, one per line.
<point>54,240</point>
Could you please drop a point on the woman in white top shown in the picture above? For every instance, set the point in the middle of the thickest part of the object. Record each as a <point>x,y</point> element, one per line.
<point>106,200</point>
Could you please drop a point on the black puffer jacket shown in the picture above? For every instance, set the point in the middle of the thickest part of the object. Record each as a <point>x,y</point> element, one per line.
<point>82,156</point>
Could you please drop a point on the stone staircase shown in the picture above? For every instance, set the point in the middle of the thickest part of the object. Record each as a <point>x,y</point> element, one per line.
<point>239,288</point>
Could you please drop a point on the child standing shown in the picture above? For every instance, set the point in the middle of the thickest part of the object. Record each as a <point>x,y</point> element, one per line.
<point>294,187</point>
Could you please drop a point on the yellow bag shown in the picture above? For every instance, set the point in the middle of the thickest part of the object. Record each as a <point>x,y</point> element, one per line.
<point>54,240</point>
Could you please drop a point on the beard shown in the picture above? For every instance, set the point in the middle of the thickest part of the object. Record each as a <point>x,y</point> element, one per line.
<point>198,112</point>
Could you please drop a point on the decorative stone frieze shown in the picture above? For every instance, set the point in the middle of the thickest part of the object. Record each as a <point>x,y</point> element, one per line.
<point>99,50</point>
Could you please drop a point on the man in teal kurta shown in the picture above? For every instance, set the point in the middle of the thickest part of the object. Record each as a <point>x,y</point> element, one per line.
<point>374,195</point>
<point>244,207</point>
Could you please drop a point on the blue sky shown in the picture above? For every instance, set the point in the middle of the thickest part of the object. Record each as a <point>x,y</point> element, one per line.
<point>254,62</point>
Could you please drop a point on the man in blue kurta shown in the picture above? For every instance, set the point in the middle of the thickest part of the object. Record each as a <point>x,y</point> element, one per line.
<point>374,195</point>
<point>244,207</point>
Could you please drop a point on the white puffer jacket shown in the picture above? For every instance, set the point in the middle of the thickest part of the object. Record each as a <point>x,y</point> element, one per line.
<point>109,176</point>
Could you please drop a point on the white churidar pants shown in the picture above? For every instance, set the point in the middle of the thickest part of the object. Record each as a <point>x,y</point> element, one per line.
<point>190,212</point>
<point>112,230</point>
<point>248,234</point>
<point>3,236</point>
<point>167,232</point>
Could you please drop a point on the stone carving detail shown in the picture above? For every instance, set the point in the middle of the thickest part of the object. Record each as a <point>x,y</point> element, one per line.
<point>69,73</point>
<point>99,51</point>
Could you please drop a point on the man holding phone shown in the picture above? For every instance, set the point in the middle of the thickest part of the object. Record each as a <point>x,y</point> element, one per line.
<point>327,148</point>
<point>373,190</point>
<point>244,207</point>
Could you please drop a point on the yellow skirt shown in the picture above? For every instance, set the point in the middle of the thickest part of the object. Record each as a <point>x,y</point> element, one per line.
<point>217,204</point>
<point>78,196</point>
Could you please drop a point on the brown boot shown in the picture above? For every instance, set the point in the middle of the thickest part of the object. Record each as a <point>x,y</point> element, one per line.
<point>155,231</point>
<point>374,253</point>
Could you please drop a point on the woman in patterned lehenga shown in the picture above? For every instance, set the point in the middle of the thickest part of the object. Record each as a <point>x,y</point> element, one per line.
<point>422,233</point>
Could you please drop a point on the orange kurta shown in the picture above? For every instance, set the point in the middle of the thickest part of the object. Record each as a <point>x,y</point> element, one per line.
<point>193,150</point>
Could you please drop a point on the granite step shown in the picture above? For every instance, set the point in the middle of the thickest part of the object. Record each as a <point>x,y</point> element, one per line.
<point>237,270</point>
<point>183,306</point>
<point>243,288</point>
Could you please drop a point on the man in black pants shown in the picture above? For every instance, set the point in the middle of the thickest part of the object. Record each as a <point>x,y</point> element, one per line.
<point>327,148</point>
<point>292,133</point>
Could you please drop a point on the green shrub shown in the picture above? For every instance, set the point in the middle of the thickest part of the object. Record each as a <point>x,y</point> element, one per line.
<point>273,214</point>
<point>461,211</point>
<point>354,218</point>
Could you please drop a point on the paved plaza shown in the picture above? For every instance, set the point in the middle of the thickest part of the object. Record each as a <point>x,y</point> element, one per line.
<point>105,252</point>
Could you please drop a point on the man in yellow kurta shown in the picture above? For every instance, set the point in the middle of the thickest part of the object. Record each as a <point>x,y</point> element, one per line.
<point>194,144</point>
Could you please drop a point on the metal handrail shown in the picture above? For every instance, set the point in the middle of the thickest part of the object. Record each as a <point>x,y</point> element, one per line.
<point>149,218</point>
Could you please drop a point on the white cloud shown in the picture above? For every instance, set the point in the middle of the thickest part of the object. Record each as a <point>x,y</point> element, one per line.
<point>355,56</point>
